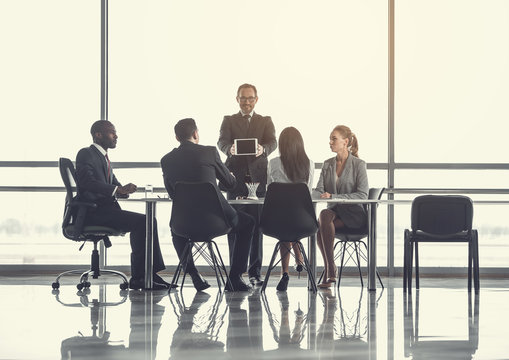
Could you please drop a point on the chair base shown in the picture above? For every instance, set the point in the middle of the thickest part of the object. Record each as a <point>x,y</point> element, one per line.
<point>84,275</point>
<point>212,257</point>
<point>346,248</point>
<point>273,264</point>
<point>94,271</point>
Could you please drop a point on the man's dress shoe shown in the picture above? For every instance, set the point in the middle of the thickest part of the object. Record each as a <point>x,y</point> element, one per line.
<point>160,280</point>
<point>199,282</point>
<point>237,284</point>
<point>255,280</point>
<point>137,284</point>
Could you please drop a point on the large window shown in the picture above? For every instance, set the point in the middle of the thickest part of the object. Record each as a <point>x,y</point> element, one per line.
<point>452,81</point>
<point>50,91</point>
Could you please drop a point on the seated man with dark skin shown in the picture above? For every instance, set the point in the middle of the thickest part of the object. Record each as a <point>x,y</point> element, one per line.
<point>196,163</point>
<point>98,184</point>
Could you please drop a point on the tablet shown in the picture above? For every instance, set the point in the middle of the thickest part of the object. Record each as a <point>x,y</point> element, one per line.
<point>246,146</point>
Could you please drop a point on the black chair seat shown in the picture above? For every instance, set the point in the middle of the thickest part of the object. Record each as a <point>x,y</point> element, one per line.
<point>422,236</point>
<point>92,230</point>
<point>344,232</point>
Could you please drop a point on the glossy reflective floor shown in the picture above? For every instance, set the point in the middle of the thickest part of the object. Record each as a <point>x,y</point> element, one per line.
<point>441,321</point>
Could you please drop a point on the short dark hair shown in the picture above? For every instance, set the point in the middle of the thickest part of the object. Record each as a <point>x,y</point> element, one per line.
<point>185,128</point>
<point>99,127</point>
<point>247,86</point>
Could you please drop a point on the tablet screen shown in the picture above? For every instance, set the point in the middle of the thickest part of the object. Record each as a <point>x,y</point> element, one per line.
<point>246,146</point>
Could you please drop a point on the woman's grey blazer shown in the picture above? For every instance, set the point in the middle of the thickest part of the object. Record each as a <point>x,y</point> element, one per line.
<point>353,184</point>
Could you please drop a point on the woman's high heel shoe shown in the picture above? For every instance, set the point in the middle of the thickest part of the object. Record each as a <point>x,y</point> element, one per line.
<point>283,283</point>
<point>330,280</point>
<point>298,267</point>
<point>324,285</point>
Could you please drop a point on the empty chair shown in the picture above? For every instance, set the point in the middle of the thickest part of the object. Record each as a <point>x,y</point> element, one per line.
<point>288,215</point>
<point>73,228</point>
<point>440,219</point>
<point>197,215</point>
<point>350,241</point>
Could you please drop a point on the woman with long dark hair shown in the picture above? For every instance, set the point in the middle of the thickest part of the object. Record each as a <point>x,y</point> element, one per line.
<point>292,166</point>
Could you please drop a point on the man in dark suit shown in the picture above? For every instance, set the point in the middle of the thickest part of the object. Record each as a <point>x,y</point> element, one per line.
<point>194,162</point>
<point>98,184</point>
<point>248,168</point>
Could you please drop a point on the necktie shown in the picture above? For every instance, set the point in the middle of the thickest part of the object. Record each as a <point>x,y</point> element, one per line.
<point>247,117</point>
<point>109,168</point>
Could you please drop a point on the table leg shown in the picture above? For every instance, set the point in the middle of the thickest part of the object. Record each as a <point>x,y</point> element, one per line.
<point>372,325</point>
<point>312,258</point>
<point>372,246</point>
<point>149,243</point>
<point>149,326</point>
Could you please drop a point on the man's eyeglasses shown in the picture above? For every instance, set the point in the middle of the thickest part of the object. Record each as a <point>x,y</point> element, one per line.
<point>248,99</point>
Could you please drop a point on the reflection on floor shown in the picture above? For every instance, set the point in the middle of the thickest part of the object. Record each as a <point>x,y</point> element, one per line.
<point>441,321</point>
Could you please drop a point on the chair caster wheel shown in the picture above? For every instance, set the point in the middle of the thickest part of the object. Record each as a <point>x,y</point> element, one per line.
<point>55,285</point>
<point>79,286</point>
<point>87,284</point>
<point>124,286</point>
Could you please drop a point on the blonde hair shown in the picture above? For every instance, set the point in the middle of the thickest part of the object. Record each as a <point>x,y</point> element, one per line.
<point>346,133</point>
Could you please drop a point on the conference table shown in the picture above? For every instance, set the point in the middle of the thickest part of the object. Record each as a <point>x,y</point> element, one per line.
<point>150,210</point>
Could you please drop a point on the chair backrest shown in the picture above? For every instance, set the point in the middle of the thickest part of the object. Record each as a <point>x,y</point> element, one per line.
<point>375,193</point>
<point>288,213</point>
<point>68,174</point>
<point>442,214</point>
<point>197,213</point>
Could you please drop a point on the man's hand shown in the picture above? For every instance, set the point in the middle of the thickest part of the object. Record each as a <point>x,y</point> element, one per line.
<point>126,189</point>
<point>232,149</point>
<point>325,195</point>
<point>259,151</point>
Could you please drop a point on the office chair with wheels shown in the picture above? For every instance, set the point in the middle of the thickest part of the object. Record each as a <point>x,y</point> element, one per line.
<point>350,243</point>
<point>73,228</point>
<point>198,216</point>
<point>288,215</point>
<point>446,218</point>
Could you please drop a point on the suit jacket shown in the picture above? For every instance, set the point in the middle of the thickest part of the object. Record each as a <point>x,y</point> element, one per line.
<point>92,177</point>
<point>196,163</point>
<point>353,184</point>
<point>236,127</point>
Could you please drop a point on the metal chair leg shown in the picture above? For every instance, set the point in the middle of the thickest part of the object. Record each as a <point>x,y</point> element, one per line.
<point>358,263</point>
<point>308,268</point>
<point>410,265</point>
<point>223,267</point>
<point>342,262</point>
<point>271,265</point>
<point>417,265</point>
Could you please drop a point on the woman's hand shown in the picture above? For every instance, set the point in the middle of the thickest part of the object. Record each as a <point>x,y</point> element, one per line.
<point>325,195</point>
